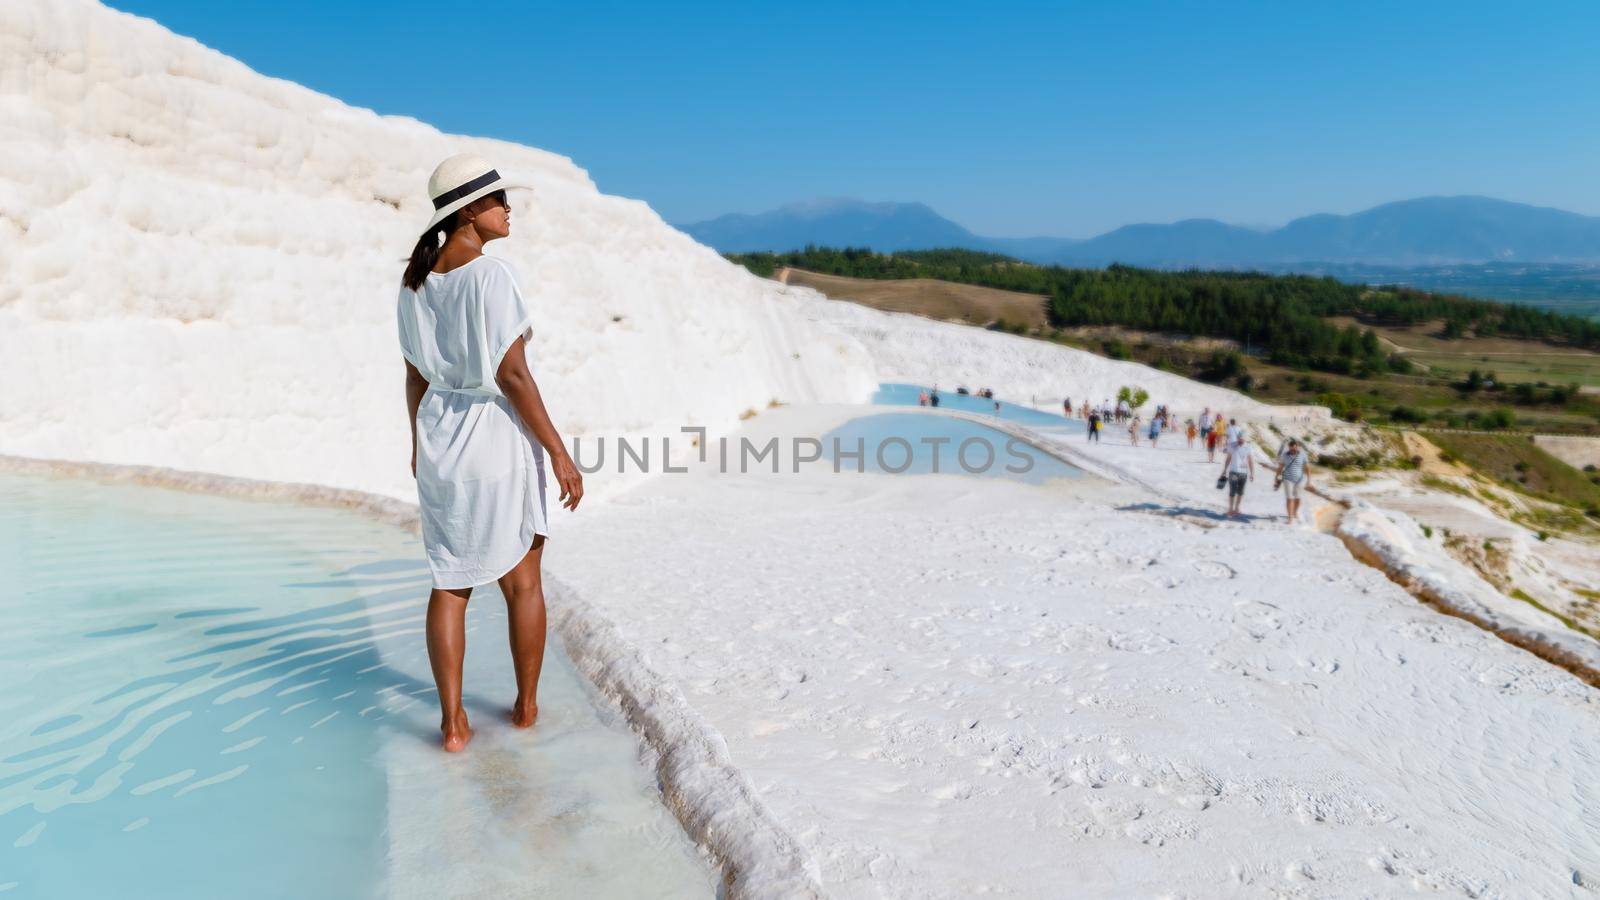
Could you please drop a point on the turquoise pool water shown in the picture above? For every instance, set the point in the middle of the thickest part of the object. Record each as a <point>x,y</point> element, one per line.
<point>906,395</point>
<point>925,444</point>
<point>219,698</point>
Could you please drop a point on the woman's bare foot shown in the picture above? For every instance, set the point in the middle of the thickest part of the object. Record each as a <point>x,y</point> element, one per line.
<point>524,712</point>
<point>456,733</point>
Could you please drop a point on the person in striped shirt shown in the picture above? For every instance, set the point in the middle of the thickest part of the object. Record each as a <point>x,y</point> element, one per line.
<point>1293,476</point>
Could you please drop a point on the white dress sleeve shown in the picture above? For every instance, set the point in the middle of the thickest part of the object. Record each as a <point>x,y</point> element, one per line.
<point>405,316</point>
<point>506,312</point>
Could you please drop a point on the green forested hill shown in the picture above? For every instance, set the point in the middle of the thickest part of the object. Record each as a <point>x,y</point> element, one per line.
<point>1284,316</point>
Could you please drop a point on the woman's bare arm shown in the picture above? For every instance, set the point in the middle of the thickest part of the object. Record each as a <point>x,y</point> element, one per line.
<point>516,382</point>
<point>416,386</point>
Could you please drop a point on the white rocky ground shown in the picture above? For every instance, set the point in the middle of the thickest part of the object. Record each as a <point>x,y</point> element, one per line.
<point>948,686</point>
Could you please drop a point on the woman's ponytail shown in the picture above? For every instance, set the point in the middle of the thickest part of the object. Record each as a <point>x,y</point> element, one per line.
<point>426,253</point>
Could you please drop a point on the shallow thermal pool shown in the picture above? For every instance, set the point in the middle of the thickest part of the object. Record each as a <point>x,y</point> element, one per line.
<point>906,395</point>
<point>209,697</point>
<point>928,443</point>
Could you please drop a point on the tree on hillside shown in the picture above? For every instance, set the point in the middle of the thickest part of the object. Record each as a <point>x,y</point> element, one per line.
<point>1135,397</point>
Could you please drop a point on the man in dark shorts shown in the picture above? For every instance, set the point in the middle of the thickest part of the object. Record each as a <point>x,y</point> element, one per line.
<point>1238,466</point>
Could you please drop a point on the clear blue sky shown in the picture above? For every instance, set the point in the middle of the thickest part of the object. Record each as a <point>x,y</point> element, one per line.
<point>1012,119</point>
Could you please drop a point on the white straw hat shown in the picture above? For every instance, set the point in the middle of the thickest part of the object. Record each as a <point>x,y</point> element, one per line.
<point>460,180</point>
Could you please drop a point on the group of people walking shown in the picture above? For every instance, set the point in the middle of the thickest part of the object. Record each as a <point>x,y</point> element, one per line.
<point>1096,417</point>
<point>1214,433</point>
<point>1106,411</point>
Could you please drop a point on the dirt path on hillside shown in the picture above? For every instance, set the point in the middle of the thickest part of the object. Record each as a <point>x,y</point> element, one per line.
<point>1432,460</point>
<point>944,300</point>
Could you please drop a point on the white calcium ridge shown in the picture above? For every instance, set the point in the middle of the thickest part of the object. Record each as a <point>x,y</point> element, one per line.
<point>201,266</point>
<point>1396,540</point>
<point>705,789</point>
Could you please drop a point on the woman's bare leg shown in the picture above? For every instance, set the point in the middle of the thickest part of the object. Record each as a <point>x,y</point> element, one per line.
<point>524,591</point>
<point>447,646</point>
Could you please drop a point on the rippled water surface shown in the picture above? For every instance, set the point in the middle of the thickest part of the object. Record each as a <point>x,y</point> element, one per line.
<point>208,697</point>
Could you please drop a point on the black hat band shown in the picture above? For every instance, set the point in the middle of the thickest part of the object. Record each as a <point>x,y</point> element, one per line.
<point>456,193</point>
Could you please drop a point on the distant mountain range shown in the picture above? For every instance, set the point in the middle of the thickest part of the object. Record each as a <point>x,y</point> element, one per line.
<point>1420,232</point>
<point>885,227</point>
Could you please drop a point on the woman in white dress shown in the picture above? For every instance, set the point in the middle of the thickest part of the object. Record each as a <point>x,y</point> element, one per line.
<point>479,433</point>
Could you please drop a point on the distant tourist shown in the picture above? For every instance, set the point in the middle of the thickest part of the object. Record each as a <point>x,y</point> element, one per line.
<point>1233,435</point>
<point>1238,466</point>
<point>922,398</point>
<point>1133,430</point>
<point>1093,426</point>
<point>1189,432</point>
<point>1293,476</point>
<point>933,398</point>
<point>1205,428</point>
<point>479,433</point>
<point>1156,426</point>
<point>1066,408</point>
